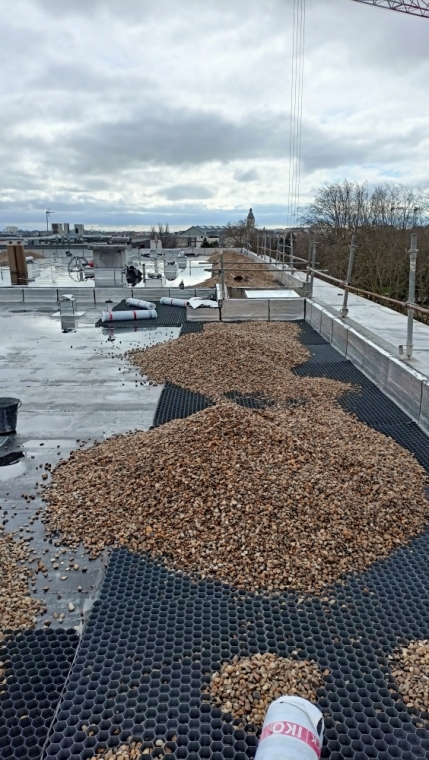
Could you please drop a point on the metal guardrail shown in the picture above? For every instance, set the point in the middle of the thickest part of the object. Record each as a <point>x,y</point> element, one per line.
<point>409,305</point>
<point>343,283</point>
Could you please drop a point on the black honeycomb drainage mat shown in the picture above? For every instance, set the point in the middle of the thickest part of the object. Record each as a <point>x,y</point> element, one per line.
<point>308,336</point>
<point>36,665</point>
<point>323,355</point>
<point>367,402</point>
<point>191,327</point>
<point>250,400</point>
<point>155,637</point>
<point>176,403</point>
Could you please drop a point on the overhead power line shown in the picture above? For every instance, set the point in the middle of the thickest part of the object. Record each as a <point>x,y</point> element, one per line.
<point>413,7</point>
<point>295,126</point>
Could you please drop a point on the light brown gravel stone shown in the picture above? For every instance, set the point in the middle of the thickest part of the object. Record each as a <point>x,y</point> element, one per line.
<point>251,357</point>
<point>263,500</point>
<point>240,272</point>
<point>410,669</point>
<point>17,608</point>
<point>246,687</point>
<point>130,750</point>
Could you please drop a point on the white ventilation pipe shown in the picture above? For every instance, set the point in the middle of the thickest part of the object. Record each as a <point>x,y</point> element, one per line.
<point>122,316</point>
<point>174,301</point>
<point>140,304</point>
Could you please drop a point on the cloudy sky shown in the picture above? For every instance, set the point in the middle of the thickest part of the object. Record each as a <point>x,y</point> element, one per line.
<point>128,113</point>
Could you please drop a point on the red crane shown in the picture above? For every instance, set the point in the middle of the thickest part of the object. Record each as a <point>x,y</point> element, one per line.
<point>413,7</point>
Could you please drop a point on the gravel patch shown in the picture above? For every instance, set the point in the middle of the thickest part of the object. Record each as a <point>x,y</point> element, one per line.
<point>410,669</point>
<point>132,750</point>
<point>250,357</point>
<point>18,609</point>
<point>246,687</point>
<point>264,500</point>
<point>260,275</point>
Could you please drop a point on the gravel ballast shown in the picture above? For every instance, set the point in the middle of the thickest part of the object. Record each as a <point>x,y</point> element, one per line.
<point>18,610</point>
<point>410,669</point>
<point>262,500</point>
<point>250,357</point>
<point>240,272</point>
<point>132,750</point>
<point>246,687</point>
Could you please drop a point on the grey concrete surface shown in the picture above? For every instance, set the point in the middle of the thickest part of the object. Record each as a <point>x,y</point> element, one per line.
<point>75,388</point>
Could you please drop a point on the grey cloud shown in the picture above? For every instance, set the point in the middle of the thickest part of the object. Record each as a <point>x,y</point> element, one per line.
<point>323,149</point>
<point>104,102</point>
<point>251,175</point>
<point>175,137</point>
<point>31,214</point>
<point>187,192</point>
<point>93,156</point>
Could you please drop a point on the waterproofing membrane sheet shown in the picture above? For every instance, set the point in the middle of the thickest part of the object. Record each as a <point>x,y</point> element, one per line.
<point>168,316</point>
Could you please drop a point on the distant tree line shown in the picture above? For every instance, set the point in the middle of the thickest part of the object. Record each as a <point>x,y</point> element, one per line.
<point>382,219</point>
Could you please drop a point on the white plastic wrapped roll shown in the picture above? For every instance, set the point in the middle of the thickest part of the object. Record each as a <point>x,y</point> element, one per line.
<point>122,316</point>
<point>293,730</point>
<point>140,304</point>
<point>174,301</point>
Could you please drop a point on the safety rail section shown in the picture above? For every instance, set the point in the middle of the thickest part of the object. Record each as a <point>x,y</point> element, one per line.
<point>250,310</point>
<point>262,309</point>
<point>97,296</point>
<point>405,386</point>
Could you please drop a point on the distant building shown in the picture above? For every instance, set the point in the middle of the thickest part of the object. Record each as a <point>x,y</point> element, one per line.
<point>11,230</point>
<point>78,229</point>
<point>250,220</point>
<point>194,236</point>
<point>57,228</point>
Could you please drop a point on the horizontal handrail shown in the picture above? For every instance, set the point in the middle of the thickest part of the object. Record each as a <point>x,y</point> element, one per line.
<point>403,304</point>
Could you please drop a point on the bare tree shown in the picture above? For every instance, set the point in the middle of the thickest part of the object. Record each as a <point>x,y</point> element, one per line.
<point>239,235</point>
<point>382,219</point>
<point>167,238</point>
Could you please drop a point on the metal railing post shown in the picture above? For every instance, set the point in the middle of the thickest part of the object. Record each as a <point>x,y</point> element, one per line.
<point>291,252</point>
<point>222,275</point>
<point>310,248</point>
<point>313,266</point>
<point>284,249</point>
<point>344,311</point>
<point>411,295</point>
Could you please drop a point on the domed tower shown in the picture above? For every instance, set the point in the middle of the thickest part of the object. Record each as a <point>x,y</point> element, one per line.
<point>250,220</point>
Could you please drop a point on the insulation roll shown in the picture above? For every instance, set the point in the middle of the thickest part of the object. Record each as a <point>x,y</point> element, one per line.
<point>122,316</point>
<point>174,301</point>
<point>140,304</point>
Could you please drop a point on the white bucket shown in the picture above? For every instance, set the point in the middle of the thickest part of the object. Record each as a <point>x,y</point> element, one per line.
<point>293,730</point>
<point>174,301</point>
<point>122,316</point>
<point>140,304</point>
